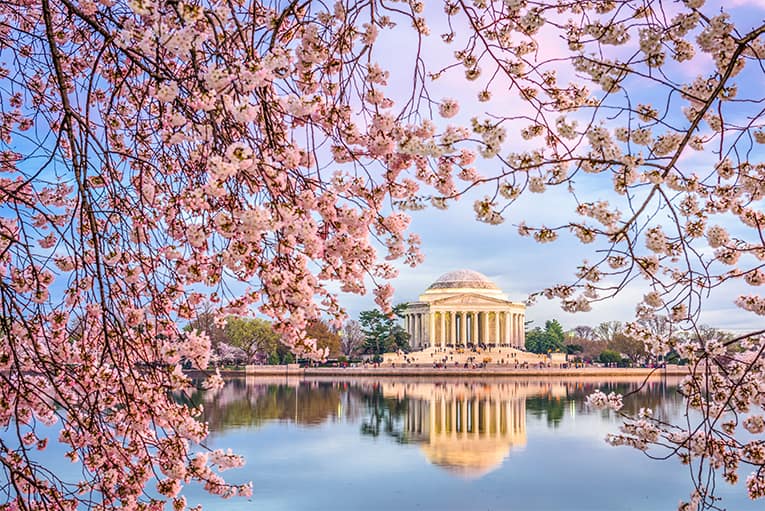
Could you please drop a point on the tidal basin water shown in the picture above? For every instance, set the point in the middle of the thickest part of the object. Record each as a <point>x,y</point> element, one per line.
<point>430,444</point>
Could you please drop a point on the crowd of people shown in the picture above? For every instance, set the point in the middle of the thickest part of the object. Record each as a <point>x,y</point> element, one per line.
<point>471,357</point>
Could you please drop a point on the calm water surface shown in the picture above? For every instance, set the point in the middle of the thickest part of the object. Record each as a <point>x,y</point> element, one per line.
<point>514,444</point>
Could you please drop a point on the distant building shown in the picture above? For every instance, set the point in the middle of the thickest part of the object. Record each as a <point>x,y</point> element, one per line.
<point>464,308</point>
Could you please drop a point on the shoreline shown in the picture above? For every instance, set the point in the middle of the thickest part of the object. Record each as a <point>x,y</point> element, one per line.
<point>455,372</point>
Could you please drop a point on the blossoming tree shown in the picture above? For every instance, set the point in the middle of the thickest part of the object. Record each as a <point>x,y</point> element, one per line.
<point>159,153</point>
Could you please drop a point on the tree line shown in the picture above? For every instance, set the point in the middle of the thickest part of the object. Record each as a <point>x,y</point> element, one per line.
<point>245,340</point>
<point>254,340</point>
<point>609,342</point>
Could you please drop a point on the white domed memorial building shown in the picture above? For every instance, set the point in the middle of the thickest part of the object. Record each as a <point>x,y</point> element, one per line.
<point>464,308</point>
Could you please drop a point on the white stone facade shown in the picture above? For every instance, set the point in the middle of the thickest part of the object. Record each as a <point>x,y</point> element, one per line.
<point>464,308</point>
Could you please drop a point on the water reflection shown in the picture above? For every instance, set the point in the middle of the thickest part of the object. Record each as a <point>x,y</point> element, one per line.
<point>469,428</point>
<point>252,402</point>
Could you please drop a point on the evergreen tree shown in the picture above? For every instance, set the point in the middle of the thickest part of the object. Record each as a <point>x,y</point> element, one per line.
<point>383,333</point>
<point>550,339</point>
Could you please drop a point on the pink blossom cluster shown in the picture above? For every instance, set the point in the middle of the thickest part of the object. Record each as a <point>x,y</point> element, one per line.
<point>599,400</point>
<point>180,169</point>
<point>185,149</point>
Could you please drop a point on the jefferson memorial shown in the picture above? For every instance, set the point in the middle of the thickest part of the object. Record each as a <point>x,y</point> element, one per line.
<point>464,308</point>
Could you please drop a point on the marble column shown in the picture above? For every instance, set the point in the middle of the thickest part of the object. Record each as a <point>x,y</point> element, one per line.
<point>501,325</point>
<point>508,340</point>
<point>516,337</point>
<point>518,330</point>
<point>442,337</point>
<point>474,328</point>
<point>431,330</point>
<point>414,330</point>
<point>452,328</point>
<point>485,337</point>
<point>470,325</point>
<point>423,329</point>
<point>496,328</point>
<point>419,329</point>
<point>463,328</point>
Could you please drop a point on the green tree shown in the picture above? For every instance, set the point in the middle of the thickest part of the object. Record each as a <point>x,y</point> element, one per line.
<point>552,338</point>
<point>383,333</point>
<point>281,354</point>
<point>535,340</point>
<point>555,330</point>
<point>610,357</point>
<point>252,335</point>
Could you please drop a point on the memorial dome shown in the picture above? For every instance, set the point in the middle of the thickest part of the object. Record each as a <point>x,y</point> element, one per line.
<point>465,279</point>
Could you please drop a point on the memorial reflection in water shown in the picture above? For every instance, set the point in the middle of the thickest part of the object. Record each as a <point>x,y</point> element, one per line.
<point>442,444</point>
<point>467,428</point>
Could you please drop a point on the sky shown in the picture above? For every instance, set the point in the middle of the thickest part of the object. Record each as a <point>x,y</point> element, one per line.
<point>453,239</point>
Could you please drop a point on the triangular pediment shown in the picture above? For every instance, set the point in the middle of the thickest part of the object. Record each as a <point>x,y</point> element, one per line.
<point>470,299</point>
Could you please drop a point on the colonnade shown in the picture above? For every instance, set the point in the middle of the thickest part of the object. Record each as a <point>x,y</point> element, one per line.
<point>461,328</point>
<point>467,415</point>
<point>416,325</point>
